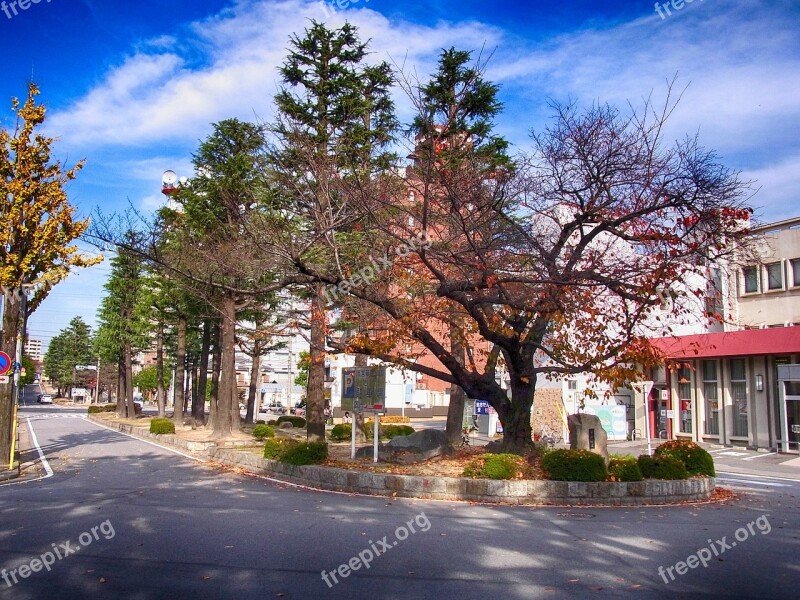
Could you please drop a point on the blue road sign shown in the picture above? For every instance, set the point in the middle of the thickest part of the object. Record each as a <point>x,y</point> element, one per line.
<point>5,363</point>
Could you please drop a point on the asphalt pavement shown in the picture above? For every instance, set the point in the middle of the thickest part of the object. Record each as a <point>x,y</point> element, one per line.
<point>124,518</point>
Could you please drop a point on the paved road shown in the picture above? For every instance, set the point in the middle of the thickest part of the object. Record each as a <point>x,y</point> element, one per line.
<point>153,524</point>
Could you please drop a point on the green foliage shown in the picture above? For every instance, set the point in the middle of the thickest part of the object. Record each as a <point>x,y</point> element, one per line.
<point>565,464</point>
<point>496,466</point>
<point>30,370</point>
<point>391,431</point>
<point>274,447</point>
<point>662,467</point>
<point>459,105</point>
<point>147,379</point>
<point>162,425</point>
<point>344,431</point>
<point>72,346</point>
<point>261,422</point>
<point>341,432</point>
<point>272,422</point>
<point>696,459</point>
<point>261,432</point>
<point>303,364</point>
<point>295,452</point>
<point>294,420</point>
<point>624,468</point>
<point>305,453</point>
<point>101,408</point>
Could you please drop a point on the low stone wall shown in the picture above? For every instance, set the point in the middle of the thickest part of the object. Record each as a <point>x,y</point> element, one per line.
<point>650,491</point>
<point>475,490</point>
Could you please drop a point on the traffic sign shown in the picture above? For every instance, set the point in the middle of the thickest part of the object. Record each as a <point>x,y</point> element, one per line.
<point>5,363</point>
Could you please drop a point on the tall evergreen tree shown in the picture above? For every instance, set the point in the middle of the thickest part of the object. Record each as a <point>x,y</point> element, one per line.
<point>123,329</point>
<point>335,120</point>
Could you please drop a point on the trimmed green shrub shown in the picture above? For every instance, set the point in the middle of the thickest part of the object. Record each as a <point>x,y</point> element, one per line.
<point>295,452</point>
<point>341,432</point>
<point>305,453</point>
<point>496,466</point>
<point>662,467</point>
<point>274,447</point>
<point>624,468</point>
<point>101,408</point>
<point>294,420</point>
<point>161,425</point>
<point>696,459</point>
<point>261,422</point>
<point>392,431</point>
<point>261,432</point>
<point>272,422</point>
<point>565,464</point>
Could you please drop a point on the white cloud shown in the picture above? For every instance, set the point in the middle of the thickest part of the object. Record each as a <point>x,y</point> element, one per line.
<point>741,95</point>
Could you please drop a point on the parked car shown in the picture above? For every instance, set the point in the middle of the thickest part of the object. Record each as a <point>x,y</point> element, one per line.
<point>277,408</point>
<point>45,399</point>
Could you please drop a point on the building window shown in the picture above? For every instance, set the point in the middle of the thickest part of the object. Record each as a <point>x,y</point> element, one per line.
<point>739,394</point>
<point>685,398</point>
<point>750,280</point>
<point>774,276</point>
<point>572,384</point>
<point>714,308</point>
<point>711,396</point>
<point>795,272</point>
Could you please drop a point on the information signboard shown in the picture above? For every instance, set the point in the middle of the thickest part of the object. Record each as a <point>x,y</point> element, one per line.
<point>364,388</point>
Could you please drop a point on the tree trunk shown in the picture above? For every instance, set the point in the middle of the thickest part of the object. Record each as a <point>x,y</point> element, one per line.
<point>161,392</point>
<point>315,400</point>
<point>227,401</point>
<point>195,396</point>
<point>255,369</point>
<point>11,318</point>
<point>216,365</point>
<point>202,380</point>
<point>121,387</point>
<point>127,358</point>
<point>180,373</point>
<point>516,416</point>
<point>458,399</point>
<point>358,417</point>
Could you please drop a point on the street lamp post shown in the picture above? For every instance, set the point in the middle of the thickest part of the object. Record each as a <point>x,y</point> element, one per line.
<point>645,387</point>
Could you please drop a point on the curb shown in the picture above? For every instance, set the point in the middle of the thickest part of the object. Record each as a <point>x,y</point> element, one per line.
<point>517,492</point>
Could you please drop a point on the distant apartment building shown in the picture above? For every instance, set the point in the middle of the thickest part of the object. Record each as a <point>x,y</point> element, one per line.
<point>33,349</point>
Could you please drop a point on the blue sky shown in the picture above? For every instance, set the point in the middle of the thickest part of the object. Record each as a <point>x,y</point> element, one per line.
<point>132,87</point>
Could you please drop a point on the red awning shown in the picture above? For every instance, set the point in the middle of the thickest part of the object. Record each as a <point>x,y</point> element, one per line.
<point>750,342</point>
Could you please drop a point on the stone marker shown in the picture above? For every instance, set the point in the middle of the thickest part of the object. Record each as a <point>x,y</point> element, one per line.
<point>406,449</point>
<point>583,428</point>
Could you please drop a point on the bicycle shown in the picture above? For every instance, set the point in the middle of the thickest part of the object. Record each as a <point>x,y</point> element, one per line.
<point>549,438</point>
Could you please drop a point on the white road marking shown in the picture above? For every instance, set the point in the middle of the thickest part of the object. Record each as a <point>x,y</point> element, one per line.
<point>45,464</point>
<point>760,456</point>
<point>138,439</point>
<point>750,481</point>
<point>733,453</point>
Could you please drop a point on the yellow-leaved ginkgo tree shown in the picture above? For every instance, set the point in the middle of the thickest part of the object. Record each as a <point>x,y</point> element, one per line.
<point>38,229</point>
